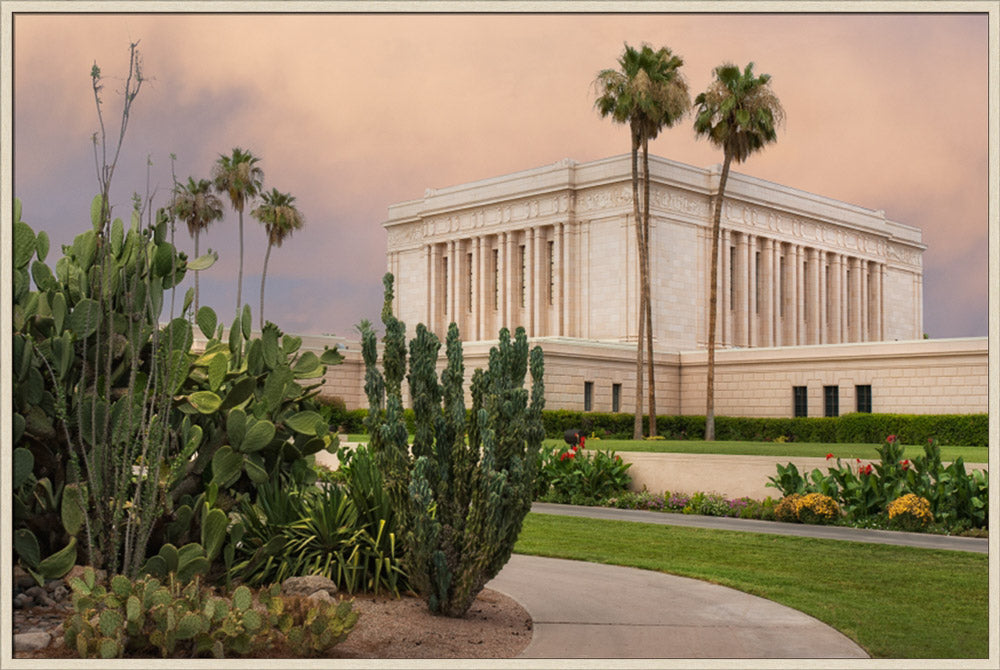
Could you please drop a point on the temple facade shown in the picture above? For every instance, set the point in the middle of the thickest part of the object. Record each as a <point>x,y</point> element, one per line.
<point>553,249</point>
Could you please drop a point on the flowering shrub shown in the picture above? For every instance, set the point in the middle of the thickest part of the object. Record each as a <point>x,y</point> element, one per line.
<point>787,509</point>
<point>817,508</point>
<point>910,512</point>
<point>957,499</point>
<point>572,475</point>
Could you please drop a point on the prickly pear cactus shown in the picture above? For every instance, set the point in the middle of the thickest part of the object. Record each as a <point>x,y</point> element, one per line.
<point>465,485</point>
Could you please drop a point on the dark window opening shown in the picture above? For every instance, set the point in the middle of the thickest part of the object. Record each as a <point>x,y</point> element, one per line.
<point>800,400</point>
<point>831,400</point>
<point>616,397</point>
<point>588,396</point>
<point>864,394</point>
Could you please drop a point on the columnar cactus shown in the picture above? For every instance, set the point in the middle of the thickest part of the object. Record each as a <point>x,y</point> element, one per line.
<point>465,485</point>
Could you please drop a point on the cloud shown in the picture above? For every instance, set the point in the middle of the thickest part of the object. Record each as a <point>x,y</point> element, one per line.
<point>351,113</point>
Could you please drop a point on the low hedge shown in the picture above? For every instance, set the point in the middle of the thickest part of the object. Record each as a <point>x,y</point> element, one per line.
<point>970,430</point>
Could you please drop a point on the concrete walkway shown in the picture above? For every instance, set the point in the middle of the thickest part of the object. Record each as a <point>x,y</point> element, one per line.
<point>590,610</point>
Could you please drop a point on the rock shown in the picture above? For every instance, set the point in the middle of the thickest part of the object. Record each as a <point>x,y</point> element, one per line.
<point>22,600</point>
<point>37,593</point>
<point>22,580</point>
<point>31,641</point>
<point>59,593</point>
<point>323,597</point>
<point>307,586</point>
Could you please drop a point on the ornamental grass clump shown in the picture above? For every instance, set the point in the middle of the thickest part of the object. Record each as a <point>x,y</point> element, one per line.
<point>910,512</point>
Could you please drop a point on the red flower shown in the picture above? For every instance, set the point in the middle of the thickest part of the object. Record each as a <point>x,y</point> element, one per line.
<point>576,447</point>
<point>890,439</point>
<point>906,464</point>
<point>829,456</point>
<point>573,455</point>
<point>867,470</point>
<point>582,440</point>
<point>562,456</point>
<point>858,460</point>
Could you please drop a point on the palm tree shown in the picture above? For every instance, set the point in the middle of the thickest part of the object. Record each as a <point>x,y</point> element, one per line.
<point>240,177</point>
<point>195,204</point>
<point>648,93</point>
<point>739,113</point>
<point>280,218</point>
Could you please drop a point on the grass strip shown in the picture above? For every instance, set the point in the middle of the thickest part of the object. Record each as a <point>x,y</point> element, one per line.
<point>896,602</point>
<point>776,449</point>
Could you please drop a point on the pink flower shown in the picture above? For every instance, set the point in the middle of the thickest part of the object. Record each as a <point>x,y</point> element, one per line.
<point>829,456</point>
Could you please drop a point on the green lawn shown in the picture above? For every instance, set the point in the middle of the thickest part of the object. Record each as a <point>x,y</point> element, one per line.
<point>896,602</point>
<point>776,449</point>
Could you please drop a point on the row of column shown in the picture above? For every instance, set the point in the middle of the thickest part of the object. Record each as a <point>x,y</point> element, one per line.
<point>775,293</point>
<point>513,278</point>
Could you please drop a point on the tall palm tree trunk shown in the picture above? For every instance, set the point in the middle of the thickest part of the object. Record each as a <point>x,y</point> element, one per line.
<point>263,278</point>
<point>197,234</point>
<point>239,281</point>
<point>637,424</point>
<point>713,301</point>
<point>647,298</point>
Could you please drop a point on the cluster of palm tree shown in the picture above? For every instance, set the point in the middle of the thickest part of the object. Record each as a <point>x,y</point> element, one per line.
<point>738,112</point>
<point>241,178</point>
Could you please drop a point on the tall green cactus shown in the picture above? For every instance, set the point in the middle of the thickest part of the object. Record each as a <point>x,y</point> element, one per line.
<point>463,488</point>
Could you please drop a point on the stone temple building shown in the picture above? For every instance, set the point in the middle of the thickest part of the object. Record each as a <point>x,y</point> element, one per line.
<point>553,249</point>
<point>820,301</point>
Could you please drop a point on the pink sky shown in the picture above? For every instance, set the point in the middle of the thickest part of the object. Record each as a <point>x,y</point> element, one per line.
<point>351,113</point>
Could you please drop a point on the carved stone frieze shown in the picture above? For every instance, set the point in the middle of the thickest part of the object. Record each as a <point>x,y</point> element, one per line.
<point>812,232</point>
<point>503,214</point>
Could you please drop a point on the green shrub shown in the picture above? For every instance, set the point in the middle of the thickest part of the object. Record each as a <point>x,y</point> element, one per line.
<point>580,476</point>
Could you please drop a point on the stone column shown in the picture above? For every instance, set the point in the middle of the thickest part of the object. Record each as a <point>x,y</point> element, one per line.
<point>834,298</point>
<point>771,324</point>
<point>740,292</point>
<point>529,282</point>
<point>822,305</point>
<point>877,331</point>
<point>845,300</point>
<point>510,295</point>
<point>539,289</point>
<point>556,327</point>
<point>724,317</point>
<point>801,297</point>
<point>566,293</point>
<point>767,293</point>
<point>753,322</point>
<point>429,284</point>
<point>432,286</point>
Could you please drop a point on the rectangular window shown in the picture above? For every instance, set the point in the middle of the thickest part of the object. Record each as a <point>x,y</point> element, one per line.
<point>616,397</point>
<point>732,278</point>
<point>756,283</point>
<point>831,400</point>
<point>800,401</point>
<point>781,286</point>
<point>588,396</point>
<point>496,279</point>
<point>864,395</point>
<point>552,271</point>
<point>468,259</point>
<point>524,271</point>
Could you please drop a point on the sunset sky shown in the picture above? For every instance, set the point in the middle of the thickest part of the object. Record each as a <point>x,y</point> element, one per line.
<point>353,112</point>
